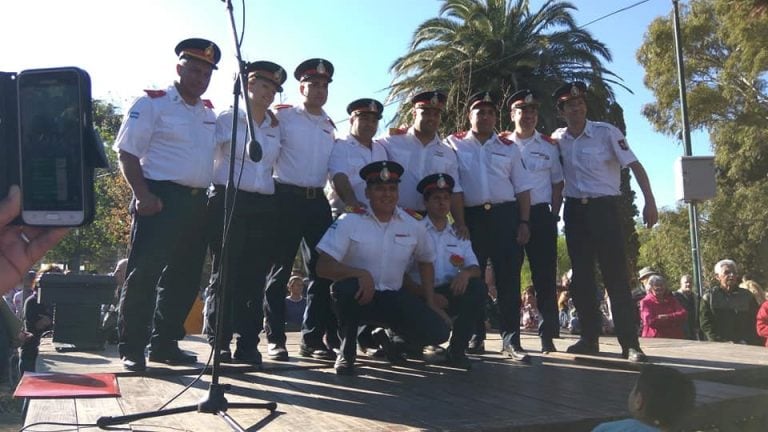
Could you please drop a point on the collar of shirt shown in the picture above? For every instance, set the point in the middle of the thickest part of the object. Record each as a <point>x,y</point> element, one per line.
<point>267,122</point>
<point>587,131</point>
<point>435,139</point>
<point>431,226</point>
<point>493,138</point>
<point>301,110</point>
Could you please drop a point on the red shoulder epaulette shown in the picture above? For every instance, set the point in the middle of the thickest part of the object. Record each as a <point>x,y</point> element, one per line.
<point>503,138</point>
<point>274,122</point>
<point>356,210</point>
<point>414,214</point>
<point>549,139</point>
<point>154,94</point>
<point>207,103</point>
<point>282,106</point>
<point>331,122</point>
<point>460,134</point>
<point>398,131</point>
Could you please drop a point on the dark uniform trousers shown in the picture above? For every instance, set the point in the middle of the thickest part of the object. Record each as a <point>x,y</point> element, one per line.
<point>593,233</point>
<point>494,235</point>
<point>248,259</point>
<point>542,257</point>
<point>303,213</point>
<point>401,311</point>
<point>164,267</point>
<point>467,308</point>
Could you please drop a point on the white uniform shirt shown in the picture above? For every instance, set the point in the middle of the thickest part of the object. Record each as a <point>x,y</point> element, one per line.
<point>348,157</point>
<point>592,161</point>
<point>256,176</point>
<point>419,161</point>
<point>384,249</point>
<point>306,142</point>
<point>173,141</point>
<point>448,247</point>
<point>542,160</point>
<point>490,172</point>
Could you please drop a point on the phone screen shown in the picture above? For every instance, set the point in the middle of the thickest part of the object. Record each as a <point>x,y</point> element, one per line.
<point>50,131</point>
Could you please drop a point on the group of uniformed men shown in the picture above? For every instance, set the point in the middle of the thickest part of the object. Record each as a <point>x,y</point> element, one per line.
<point>379,263</point>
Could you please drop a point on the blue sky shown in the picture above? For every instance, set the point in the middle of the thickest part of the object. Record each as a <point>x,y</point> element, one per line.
<point>127,46</point>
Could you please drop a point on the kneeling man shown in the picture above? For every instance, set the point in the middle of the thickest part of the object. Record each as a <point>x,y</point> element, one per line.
<point>366,255</point>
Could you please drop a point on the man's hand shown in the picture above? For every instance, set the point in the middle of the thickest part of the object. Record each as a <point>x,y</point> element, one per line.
<point>461,231</point>
<point>459,283</point>
<point>650,214</point>
<point>441,312</point>
<point>523,234</point>
<point>367,288</point>
<point>440,301</point>
<point>148,204</point>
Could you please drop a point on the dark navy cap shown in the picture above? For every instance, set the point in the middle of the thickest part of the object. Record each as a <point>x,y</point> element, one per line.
<point>430,99</point>
<point>570,91</point>
<point>482,98</point>
<point>433,182</point>
<point>269,71</point>
<point>365,105</point>
<point>522,99</point>
<point>382,172</point>
<point>315,67</point>
<point>201,49</point>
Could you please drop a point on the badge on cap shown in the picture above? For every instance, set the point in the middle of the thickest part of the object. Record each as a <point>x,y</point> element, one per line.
<point>487,97</point>
<point>372,107</point>
<point>320,68</point>
<point>435,100</point>
<point>209,52</point>
<point>529,98</point>
<point>574,90</point>
<point>279,74</point>
<point>384,174</point>
<point>441,182</point>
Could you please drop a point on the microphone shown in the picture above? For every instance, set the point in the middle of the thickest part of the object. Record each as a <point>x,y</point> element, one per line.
<point>254,150</point>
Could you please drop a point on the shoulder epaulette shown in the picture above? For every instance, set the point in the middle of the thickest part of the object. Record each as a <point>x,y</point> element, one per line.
<point>506,140</point>
<point>356,210</point>
<point>154,94</point>
<point>414,214</point>
<point>207,103</point>
<point>273,121</point>
<point>332,123</point>
<point>283,106</point>
<point>549,139</point>
<point>460,134</point>
<point>397,131</point>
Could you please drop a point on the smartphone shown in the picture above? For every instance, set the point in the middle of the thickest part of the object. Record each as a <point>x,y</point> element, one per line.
<point>51,125</point>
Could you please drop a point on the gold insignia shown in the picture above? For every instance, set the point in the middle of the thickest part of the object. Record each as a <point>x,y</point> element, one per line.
<point>320,68</point>
<point>574,90</point>
<point>209,52</point>
<point>279,74</point>
<point>529,98</point>
<point>441,182</point>
<point>384,174</point>
<point>372,107</point>
<point>487,97</point>
<point>435,99</point>
<point>487,206</point>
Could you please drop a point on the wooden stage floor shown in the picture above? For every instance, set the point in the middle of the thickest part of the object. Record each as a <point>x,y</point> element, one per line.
<point>558,392</point>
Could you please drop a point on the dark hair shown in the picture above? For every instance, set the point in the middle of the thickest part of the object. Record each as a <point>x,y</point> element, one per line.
<point>668,394</point>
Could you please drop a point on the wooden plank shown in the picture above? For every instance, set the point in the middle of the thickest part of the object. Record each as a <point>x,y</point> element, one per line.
<point>90,409</point>
<point>51,411</point>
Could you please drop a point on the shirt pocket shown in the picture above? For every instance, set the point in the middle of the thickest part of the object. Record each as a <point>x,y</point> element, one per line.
<point>500,163</point>
<point>176,129</point>
<point>594,158</point>
<point>538,162</point>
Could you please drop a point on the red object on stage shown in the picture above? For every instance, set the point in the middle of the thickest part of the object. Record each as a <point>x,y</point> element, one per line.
<point>58,385</point>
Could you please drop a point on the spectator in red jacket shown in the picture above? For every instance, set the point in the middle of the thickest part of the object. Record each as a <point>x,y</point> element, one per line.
<point>661,314</point>
<point>762,322</point>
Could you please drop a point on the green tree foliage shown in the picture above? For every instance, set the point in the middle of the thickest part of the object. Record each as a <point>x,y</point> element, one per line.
<point>724,45</point>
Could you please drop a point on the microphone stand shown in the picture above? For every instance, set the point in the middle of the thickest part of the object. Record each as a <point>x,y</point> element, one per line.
<point>214,402</point>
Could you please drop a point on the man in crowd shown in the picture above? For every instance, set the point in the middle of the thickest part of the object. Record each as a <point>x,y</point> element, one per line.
<point>727,313</point>
<point>497,197</point>
<point>458,288</point>
<point>165,147</point>
<point>366,255</point>
<point>542,160</point>
<point>420,150</point>
<point>354,152</point>
<point>687,299</point>
<point>306,138</point>
<point>593,154</point>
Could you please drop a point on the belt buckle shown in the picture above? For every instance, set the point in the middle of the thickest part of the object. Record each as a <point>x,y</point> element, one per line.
<point>487,206</point>
<point>194,191</point>
<point>311,193</point>
<point>584,200</point>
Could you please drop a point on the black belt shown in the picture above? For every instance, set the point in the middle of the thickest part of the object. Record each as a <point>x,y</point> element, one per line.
<point>587,200</point>
<point>306,192</point>
<point>177,187</point>
<point>488,206</point>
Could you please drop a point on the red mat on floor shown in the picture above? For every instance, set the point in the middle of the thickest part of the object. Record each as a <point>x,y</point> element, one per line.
<point>58,385</point>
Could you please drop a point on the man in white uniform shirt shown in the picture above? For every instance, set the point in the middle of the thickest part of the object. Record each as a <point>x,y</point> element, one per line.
<point>366,255</point>
<point>165,147</point>
<point>457,273</point>
<point>593,154</point>
<point>497,198</point>
<point>253,222</point>
<point>356,151</point>
<point>542,160</point>
<point>301,172</point>
<point>421,152</point>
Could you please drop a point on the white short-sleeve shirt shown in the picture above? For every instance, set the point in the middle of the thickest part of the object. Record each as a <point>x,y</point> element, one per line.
<point>348,157</point>
<point>306,142</point>
<point>173,140</point>
<point>384,249</point>
<point>451,254</point>
<point>542,160</point>
<point>592,161</point>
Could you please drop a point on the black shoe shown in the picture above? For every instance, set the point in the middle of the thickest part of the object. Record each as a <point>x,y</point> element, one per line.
<point>134,364</point>
<point>344,367</point>
<point>249,356</point>
<point>635,355</point>
<point>547,346</point>
<point>171,356</point>
<point>277,352</point>
<point>476,347</point>
<point>373,352</point>
<point>584,346</point>
<point>225,356</point>
<point>392,354</point>
<point>458,360</point>
<point>316,353</point>
<point>516,353</point>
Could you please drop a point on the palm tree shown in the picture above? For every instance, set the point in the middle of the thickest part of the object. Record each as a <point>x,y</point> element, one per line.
<point>500,45</point>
